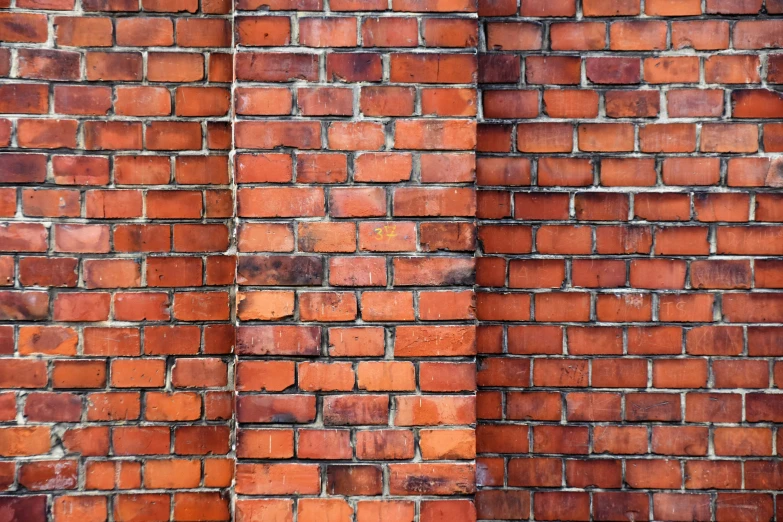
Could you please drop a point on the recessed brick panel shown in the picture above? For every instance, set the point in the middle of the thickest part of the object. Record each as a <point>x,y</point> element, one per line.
<point>644,195</point>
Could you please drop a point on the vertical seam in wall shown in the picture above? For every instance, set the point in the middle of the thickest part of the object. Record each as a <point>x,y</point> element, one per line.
<point>233,252</point>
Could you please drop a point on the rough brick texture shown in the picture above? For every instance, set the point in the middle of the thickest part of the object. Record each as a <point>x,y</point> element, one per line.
<point>355,137</point>
<point>249,252</point>
<point>628,175</point>
<point>115,334</point>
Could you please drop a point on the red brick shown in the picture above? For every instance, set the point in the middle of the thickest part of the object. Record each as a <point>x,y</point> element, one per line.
<point>557,70</point>
<point>555,505</point>
<point>555,8</point>
<point>632,104</point>
<point>612,504</point>
<point>733,6</point>
<point>449,102</point>
<point>174,67</point>
<point>568,103</point>
<point>351,67</point>
<point>613,70</point>
<point>48,65</point>
<point>514,36</point>
<point>390,32</point>
<point>83,31</point>
<point>433,68</point>
<point>264,30</point>
<point>637,36</point>
<point>701,35</point>
<point>326,101</point>
<point>194,32</point>
<point>584,36</point>
<point>737,69</point>
<point>757,34</point>
<point>327,32</point>
<point>23,27</point>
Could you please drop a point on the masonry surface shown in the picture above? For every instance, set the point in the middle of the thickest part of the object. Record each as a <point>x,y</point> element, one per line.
<point>391,260</point>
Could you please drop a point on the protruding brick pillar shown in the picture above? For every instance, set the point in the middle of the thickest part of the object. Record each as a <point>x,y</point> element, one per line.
<point>355,134</point>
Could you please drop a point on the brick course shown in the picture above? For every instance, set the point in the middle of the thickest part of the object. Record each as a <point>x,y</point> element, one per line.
<point>390,260</point>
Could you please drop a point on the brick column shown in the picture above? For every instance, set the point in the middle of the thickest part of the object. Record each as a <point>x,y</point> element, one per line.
<point>355,134</point>
<point>115,197</point>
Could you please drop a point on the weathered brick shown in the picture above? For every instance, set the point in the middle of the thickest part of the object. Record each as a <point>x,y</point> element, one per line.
<point>360,234</point>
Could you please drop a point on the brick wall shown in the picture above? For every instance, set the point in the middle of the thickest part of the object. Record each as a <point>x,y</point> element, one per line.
<point>629,194</point>
<point>257,294</point>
